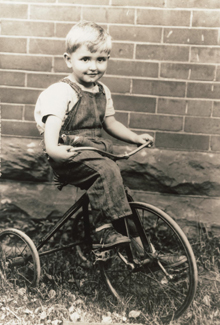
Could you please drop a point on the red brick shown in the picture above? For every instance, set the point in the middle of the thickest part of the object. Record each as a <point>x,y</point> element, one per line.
<point>60,65</point>
<point>109,15</point>
<point>134,103</point>
<point>25,62</point>
<point>203,90</point>
<point>182,141</point>
<point>9,10</point>
<point>211,4</point>
<point>206,18</point>
<point>86,2</point>
<point>162,52</point>
<point>27,28</point>
<point>202,72</point>
<point>19,128</point>
<point>202,125</point>
<point>13,45</point>
<point>55,12</point>
<point>117,85</point>
<point>136,33</point>
<point>215,143</point>
<point>205,55</point>
<point>62,29</point>
<point>132,68</point>
<point>19,95</point>
<point>122,50</point>
<point>156,122</point>
<point>174,70</point>
<point>199,108</point>
<point>190,36</point>
<point>218,74</point>
<point>29,113</point>
<point>47,46</point>
<point>39,80</point>
<point>171,106</point>
<point>10,78</point>
<point>163,17</point>
<point>216,109</point>
<point>181,71</point>
<point>138,3</point>
<point>11,112</point>
<point>159,88</point>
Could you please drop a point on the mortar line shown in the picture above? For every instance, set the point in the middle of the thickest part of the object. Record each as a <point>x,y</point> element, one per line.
<point>135,16</point>
<point>191,18</point>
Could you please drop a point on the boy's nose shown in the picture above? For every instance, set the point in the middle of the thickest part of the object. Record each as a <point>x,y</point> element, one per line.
<point>93,65</point>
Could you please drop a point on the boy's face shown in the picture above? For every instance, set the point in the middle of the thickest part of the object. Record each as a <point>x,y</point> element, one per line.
<point>87,67</point>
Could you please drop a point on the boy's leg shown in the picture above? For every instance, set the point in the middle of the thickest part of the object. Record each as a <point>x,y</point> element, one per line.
<point>102,179</point>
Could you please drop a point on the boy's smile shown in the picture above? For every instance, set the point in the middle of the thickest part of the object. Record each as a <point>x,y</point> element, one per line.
<point>87,67</point>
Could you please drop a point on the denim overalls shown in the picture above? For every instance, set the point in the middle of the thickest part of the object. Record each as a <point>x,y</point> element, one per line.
<point>88,170</point>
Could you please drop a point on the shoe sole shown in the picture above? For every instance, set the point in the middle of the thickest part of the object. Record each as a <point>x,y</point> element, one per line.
<point>119,242</point>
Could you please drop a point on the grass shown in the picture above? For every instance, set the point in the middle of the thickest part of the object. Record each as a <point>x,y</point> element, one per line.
<point>68,292</point>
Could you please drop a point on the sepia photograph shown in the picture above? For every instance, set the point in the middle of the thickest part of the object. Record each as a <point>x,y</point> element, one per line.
<point>109,162</point>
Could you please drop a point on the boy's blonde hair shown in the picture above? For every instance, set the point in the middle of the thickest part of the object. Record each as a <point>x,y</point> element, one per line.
<point>89,34</point>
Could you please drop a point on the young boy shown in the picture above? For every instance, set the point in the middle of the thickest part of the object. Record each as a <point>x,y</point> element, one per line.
<point>72,113</point>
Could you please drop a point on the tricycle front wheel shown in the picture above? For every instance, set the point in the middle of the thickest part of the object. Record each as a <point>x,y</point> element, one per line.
<point>158,274</point>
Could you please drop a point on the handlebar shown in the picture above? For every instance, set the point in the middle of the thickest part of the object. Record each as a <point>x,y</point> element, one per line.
<point>112,156</point>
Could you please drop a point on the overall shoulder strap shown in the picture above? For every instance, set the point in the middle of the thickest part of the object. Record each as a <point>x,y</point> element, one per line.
<point>72,112</point>
<point>101,88</point>
<point>73,85</point>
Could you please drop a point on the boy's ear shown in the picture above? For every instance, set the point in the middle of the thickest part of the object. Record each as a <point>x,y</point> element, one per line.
<point>67,59</point>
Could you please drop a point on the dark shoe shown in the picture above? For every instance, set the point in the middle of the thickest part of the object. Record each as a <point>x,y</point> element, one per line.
<point>172,260</point>
<point>109,238</point>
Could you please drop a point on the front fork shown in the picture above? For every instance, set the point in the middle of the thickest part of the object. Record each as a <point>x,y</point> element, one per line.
<point>152,254</point>
<point>147,245</point>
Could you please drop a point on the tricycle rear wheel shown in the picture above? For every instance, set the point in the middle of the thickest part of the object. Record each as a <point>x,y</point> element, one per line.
<point>19,259</point>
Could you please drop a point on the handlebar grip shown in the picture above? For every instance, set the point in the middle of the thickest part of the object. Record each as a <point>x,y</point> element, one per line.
<point>146,144</point>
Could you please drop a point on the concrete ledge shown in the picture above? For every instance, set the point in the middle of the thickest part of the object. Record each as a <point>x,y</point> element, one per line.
<point>154,170</point>
<point>39,200</point>
<point>193,208</point>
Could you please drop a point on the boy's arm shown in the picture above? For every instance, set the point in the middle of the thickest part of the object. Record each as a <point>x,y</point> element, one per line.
<point>59,153</point>
<point>120,131</point>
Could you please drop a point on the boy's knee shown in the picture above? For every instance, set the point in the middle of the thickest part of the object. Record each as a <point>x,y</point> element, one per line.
<point>111,169</point>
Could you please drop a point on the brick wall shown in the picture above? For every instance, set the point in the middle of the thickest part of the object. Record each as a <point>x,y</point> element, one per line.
<point>164,71</point>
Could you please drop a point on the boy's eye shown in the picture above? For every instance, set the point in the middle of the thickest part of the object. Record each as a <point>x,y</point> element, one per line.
<point>85,59</point>
<point>102,59</point>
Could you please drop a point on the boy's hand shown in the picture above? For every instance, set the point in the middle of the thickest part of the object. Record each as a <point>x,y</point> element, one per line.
<point>121,132</point>
<point>142,138</point>
<point>62,153</point>
<point>59,153</point>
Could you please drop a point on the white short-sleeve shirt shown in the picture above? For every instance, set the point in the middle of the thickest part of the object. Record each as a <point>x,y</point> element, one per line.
<point>59,98</point>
